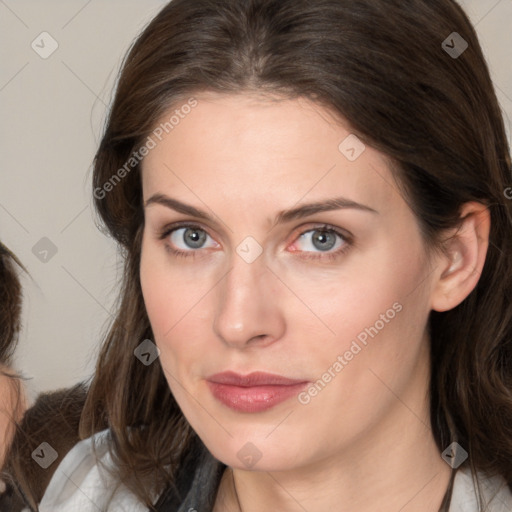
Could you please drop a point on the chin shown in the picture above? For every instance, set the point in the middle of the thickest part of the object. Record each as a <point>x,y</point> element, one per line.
<point>252,453</point>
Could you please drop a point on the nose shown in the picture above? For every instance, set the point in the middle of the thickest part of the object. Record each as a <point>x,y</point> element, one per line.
<point>248,311</point>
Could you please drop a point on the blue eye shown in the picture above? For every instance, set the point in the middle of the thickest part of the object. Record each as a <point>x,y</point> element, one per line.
<point>324,240</point>
<point>186,240</point>
<point>192,236</point>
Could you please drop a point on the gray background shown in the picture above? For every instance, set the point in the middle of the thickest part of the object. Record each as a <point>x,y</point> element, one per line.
<point>52,113</point>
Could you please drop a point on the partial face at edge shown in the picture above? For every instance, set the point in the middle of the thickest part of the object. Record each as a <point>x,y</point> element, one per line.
<point>338,299</point>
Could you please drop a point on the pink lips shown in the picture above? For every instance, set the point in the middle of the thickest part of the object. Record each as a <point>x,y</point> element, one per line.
<point>255,392</point>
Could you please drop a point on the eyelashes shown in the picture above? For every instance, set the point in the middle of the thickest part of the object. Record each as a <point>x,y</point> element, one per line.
<point>189,233</point>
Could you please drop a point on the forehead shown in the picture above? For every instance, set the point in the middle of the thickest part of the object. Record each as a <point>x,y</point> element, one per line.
<point>240,147</point>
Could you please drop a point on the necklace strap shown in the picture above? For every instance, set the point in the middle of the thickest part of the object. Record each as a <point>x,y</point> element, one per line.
<point>234,488</point>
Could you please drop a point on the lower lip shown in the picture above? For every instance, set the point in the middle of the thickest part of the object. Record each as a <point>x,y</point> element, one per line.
<point>255,398</point>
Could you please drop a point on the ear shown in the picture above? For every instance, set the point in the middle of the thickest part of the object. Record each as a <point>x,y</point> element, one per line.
<point>460,266</point>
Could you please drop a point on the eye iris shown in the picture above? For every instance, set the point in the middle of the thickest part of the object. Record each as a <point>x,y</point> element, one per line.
<point>324,240</point>
<point>194,238</point>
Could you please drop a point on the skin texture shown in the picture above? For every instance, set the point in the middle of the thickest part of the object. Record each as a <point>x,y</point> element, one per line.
<point>365,437</point>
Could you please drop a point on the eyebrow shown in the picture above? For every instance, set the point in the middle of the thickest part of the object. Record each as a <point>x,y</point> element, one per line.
<point>305,210</point>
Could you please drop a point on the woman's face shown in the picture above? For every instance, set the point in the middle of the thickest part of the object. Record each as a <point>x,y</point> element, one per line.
<point>275,242</point>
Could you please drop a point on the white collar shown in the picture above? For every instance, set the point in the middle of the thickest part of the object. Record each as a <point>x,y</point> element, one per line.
<point>495,493</point>
<point>80,485</point>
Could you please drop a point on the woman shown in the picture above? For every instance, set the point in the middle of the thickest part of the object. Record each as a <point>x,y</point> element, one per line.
<point>12,401</point>
<point>10,312</point>
<point>315,313</point>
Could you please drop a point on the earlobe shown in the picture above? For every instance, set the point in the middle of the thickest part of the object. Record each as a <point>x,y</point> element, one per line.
<point>460,267</point>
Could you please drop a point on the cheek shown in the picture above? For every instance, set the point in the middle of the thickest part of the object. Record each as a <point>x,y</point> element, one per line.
<point>168,292</point>
<point>159,293</point>
<point>376,353</point>
<point>376,315</point>
<point>379,322</point>
<point>175,306</point>
<point>366,295</point>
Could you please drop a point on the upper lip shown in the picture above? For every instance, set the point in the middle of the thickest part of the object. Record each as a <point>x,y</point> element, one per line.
<point>252,379</point>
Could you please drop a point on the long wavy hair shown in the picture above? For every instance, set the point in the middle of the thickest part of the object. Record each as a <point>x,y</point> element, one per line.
<point>10,303</point>
<point>384,66</point>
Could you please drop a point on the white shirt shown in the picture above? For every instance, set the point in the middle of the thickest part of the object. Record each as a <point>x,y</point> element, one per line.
<point>80,484</point>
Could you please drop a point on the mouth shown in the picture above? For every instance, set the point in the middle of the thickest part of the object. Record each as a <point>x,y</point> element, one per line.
<point>255,392</point>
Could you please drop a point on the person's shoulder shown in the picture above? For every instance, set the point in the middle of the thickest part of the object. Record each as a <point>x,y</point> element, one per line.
<point>496,494</point>
<point>82,482</point>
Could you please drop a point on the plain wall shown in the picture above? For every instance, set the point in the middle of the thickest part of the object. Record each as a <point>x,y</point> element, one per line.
<point>52,112</point>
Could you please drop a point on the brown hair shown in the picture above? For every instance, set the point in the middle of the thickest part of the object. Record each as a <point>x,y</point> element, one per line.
<point>10,304</point>
<point>12,399</point>
<point>380,65</point>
